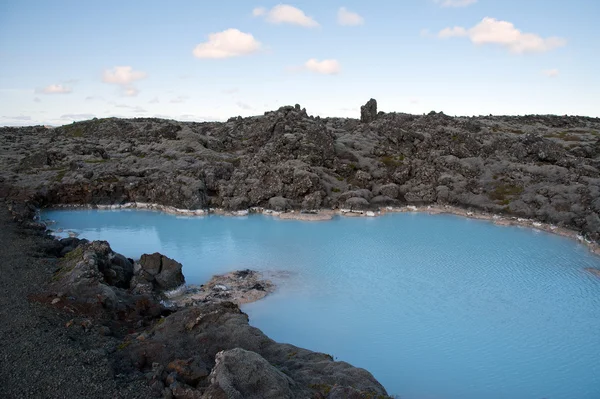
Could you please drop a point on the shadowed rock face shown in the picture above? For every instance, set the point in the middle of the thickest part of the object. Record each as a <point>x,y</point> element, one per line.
<point>164,272</point>
<point>535,166</point>
<point>368,112</point>
<point>244,363</point>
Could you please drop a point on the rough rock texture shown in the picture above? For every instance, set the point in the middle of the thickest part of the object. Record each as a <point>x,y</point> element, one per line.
<point>536,166</point>
<point>368,112</point>
<point>50,347</point>
<point>162,272</point>
<point>244,362</point>
<point>255,379</point>
<point>239,287</point>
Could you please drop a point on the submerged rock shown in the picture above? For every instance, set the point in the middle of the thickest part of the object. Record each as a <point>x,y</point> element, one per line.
<point>595,272</point>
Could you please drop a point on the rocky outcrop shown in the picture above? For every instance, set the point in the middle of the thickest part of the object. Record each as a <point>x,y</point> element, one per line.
<point>158,272</point>
<point>368,112</point>
<point>92,272</point>
<point>541,167</point>
<point>244,363</point>
<point>204,348</point>
<point>255,379</point>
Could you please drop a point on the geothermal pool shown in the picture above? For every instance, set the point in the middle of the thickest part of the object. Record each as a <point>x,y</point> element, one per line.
<point>434,306</point>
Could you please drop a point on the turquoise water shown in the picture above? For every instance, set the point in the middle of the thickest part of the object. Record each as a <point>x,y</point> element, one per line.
<point>436,307</point>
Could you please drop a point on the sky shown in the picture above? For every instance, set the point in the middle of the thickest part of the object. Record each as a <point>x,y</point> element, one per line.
<point>63,61</point>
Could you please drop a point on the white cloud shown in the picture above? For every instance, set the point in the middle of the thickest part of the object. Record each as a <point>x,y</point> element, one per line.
<point>325,67</point>
<point>130,91</point>
<point>231,91</point>
<point>349,18</point>
<point>55,89</point>
<point>455,3</point>
<point>37,100</point>
<point>154,101</point>
<point>226,44</point>
<point>286,14</point>
<point>503,33</point>
<point>124,76</point>
<point>551,73</point>
<point>457,31</point>
<point>259,11</point>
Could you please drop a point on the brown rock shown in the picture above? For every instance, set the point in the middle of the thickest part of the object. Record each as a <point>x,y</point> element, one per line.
<point>190,371</point>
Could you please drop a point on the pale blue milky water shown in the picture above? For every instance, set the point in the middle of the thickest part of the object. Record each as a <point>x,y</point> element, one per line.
<point>436,307</point>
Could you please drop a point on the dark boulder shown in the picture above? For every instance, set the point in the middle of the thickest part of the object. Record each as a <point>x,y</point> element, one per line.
<point>165,273</point>
<point>368,112</point>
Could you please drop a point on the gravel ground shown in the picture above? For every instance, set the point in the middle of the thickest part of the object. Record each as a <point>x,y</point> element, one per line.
<point>40,357</point>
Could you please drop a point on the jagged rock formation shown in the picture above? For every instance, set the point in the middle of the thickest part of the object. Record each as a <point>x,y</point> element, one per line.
<point>368,112</point>
<point>541,167</point>
<point>210,351</point>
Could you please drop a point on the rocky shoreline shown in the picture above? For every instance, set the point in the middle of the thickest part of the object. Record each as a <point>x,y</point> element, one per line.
<point>328,214</point>
<point>198,346</point>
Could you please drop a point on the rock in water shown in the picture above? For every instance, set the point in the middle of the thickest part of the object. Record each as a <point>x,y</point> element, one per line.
<point>368,112</point>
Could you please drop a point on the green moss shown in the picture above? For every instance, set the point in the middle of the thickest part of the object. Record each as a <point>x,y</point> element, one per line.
<point>292,354</point>
<point>352,166</point>
<point>74,130</point>
<point>95,160</point>
<point>565,136</point>
<point>60,175</point>
<point>74,254</point>
<point>335,190</point>
<point>67,263</point>
<point>504,190</point>
<point>323,389</point>
<point>109,179</point>
<point>392,161</point>
<point>123,345</point>
<point>340,178</point>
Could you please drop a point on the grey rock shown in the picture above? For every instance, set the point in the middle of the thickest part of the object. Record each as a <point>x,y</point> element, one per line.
<point>356,203</point>
<point>279,204</point>
<point>164,272</point>
<point>241,374</point>
<point>368,112</point>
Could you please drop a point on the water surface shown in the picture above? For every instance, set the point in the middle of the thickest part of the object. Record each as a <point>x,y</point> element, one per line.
<point>434,306</point>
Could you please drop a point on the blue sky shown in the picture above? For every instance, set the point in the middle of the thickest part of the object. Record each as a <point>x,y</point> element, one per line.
<point>198,60</point>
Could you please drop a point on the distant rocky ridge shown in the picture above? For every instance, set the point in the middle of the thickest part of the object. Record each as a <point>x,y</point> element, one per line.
<point>542,167</point>
<point>545,168</point>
